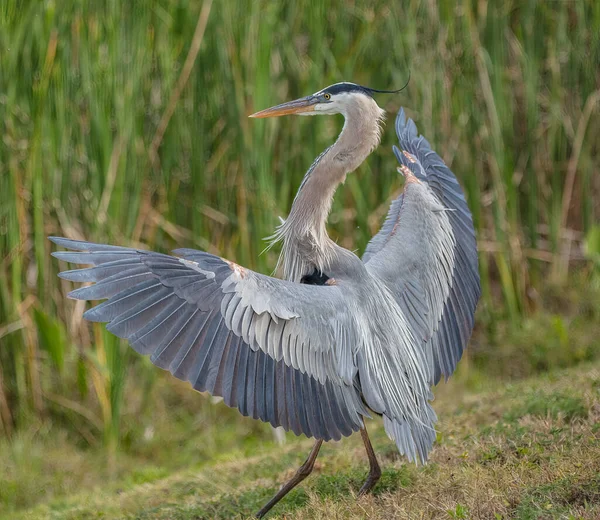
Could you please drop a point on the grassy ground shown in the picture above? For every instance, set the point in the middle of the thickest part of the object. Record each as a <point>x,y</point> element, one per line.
<point>525,450</point>
<point>125,122</point>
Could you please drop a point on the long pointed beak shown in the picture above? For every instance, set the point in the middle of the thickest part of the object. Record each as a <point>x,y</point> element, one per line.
<point>298,106</point>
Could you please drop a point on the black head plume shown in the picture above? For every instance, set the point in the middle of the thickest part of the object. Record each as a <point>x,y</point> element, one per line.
<point>346,87</point>
<point>390,91</point>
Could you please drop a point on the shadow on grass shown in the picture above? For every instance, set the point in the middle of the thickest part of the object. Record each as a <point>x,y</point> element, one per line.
<point>343,483</point>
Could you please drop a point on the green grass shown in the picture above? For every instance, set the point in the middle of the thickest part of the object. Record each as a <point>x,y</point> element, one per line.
<point>498,456</point>
<point>552,405</point>
<point>560,498</point>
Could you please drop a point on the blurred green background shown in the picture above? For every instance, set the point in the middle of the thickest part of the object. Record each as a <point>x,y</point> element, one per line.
<point>126,122</point>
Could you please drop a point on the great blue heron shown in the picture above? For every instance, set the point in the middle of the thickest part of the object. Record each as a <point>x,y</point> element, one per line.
<point>341,337</point>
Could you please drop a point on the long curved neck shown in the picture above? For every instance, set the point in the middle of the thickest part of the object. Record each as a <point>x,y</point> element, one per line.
<point>306,244</point>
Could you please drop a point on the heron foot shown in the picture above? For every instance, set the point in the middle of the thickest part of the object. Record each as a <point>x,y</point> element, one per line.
<point>372,479</point>
<point>304,471</point>
<point>374,469</point>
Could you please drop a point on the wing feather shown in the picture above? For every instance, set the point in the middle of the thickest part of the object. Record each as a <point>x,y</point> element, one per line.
<point>426,253</point>
<point>226,330</point>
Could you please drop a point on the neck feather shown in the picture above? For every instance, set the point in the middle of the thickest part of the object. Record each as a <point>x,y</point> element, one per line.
<point>306,244</point>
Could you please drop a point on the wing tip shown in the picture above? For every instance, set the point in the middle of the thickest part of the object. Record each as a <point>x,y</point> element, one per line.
<point>66,256</point>
<point>72,276</point>
<point>76,294</point>
<point>405,126</point>
<point>94,315</point>
<point>69,243</point>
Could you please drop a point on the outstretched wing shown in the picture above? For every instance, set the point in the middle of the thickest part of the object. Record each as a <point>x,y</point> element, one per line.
<point>426,252</point>
<point>278,351</point>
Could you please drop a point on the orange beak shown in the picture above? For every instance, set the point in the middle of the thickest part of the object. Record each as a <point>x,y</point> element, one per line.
<point>297,106</point>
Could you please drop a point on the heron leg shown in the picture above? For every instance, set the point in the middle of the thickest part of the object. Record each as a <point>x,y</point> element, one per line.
<point>303,472</point>
<point>374,469</point>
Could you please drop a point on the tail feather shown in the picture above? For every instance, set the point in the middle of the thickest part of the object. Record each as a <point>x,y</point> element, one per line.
<point>414,440</point>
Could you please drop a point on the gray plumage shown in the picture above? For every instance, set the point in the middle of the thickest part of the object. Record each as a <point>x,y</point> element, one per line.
<point>314,359</point>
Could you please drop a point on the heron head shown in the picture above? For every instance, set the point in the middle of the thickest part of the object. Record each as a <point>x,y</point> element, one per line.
<point>335,99</point>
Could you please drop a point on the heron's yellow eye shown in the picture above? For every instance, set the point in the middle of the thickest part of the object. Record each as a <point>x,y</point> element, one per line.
<point>327,96</point>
